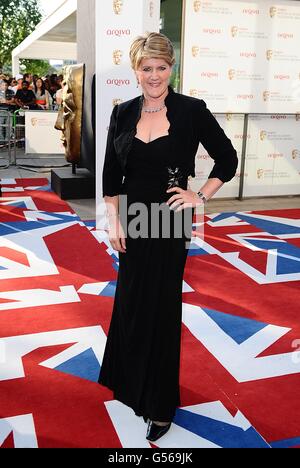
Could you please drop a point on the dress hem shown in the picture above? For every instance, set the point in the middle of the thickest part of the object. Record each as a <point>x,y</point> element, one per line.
<point>137,412</point>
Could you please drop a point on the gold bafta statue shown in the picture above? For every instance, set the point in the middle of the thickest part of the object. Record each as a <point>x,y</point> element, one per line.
<point>234,31</point>
<point>231,74</point>
<point>266,95</point>
<point>195,50</point>
<point>263,135</point>
<point>69,120</point>
<point>194,93</point>
<point>117,101</point>
<point>151,9</point>
<point>117,56</point>
<point>118,6</point>
<point>197,6</point>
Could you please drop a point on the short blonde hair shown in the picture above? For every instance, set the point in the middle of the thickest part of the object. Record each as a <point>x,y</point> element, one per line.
<point>151,45</point>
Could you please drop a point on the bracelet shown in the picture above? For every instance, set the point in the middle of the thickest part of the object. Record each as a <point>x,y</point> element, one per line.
<point>202,196</point>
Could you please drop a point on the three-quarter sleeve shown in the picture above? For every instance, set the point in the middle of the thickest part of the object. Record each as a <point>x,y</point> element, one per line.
<point>218,146</point>
<point>112,175</point>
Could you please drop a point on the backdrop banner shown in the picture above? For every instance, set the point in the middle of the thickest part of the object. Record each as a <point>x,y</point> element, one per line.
<point>41,137</point>
<point>273,156</point>
<point>243,56</point>
<point>118,22</point>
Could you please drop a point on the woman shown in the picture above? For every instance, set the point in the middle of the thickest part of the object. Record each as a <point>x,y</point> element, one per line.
<point>153,141</point>
<point>43,97</point>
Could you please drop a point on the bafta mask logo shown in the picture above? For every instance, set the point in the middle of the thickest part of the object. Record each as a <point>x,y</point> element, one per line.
<point>229,117</point>
<point>117,101</point>
<point>263,135</point>
<point>260,173</point>
<point>269,54</point>
<point>117,57</point>
<point>266,96</point>
<point>151,9</point>
<point>195,51</point>
<point>69,119</point>
<point>231,74</point>
<point>34,122</point>
<point>273,11</point>
<point>234,31</point>
<point>118,6</point>
<point>197,6</point>
<point>295,154</point>
<point>194,93</point>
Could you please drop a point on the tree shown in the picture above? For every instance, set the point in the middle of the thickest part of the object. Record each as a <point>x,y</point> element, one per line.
<point>37,67</point>
<point>18,18</point>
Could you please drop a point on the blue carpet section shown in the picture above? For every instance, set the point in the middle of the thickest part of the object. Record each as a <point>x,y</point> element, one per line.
<point>265,225</point>
<point>43,188</point>
<point>84,366</point>
<point>288,443</point>
<point>115,260</point>
<point>238,328</point>
<point>288,255</point>
<point>21,205</point>
<point>25,226</point>
<point>226,215</point>
<point>195,250</point>
<point>269,226</point>
<point>91,223</point>
<point>109,290</point>
<point>219,433</point>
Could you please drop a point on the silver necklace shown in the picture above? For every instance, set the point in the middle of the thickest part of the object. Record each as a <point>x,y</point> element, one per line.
<point>151,110</point>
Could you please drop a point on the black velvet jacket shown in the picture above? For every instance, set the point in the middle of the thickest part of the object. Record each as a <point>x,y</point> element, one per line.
<point>191,123</point>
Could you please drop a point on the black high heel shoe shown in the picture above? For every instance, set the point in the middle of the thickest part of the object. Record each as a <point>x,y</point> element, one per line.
<point>155,431</point>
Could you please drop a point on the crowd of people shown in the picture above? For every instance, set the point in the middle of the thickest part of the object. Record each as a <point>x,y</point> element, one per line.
<point>27,92</point>
<point>30,92</point>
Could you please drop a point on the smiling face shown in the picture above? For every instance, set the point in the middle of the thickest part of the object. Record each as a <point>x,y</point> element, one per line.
<point>154,77</point>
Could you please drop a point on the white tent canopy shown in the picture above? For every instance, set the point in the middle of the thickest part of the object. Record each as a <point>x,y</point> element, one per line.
<point>54,38</point>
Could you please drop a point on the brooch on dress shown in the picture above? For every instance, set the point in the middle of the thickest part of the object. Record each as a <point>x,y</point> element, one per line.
<point>174,177</point>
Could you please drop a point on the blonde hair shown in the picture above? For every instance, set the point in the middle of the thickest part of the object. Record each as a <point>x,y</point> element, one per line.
<point>151,45</point>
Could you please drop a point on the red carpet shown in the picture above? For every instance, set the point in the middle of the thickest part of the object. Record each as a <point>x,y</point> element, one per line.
<point>240,366</point>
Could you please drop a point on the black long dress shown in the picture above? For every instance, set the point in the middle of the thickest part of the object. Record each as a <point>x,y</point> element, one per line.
<point>141,358</point>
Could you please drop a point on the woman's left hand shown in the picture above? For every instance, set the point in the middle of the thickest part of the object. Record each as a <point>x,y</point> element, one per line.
<point>183,199</point>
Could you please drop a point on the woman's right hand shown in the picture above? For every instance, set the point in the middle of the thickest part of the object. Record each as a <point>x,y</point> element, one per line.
<point>116,235</point>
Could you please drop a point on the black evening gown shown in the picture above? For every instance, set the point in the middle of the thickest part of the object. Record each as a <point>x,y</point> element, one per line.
<point>142,353</point>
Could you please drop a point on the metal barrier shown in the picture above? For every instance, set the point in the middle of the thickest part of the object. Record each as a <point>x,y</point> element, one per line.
<point>18,125</point>
<point>5,135</point>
